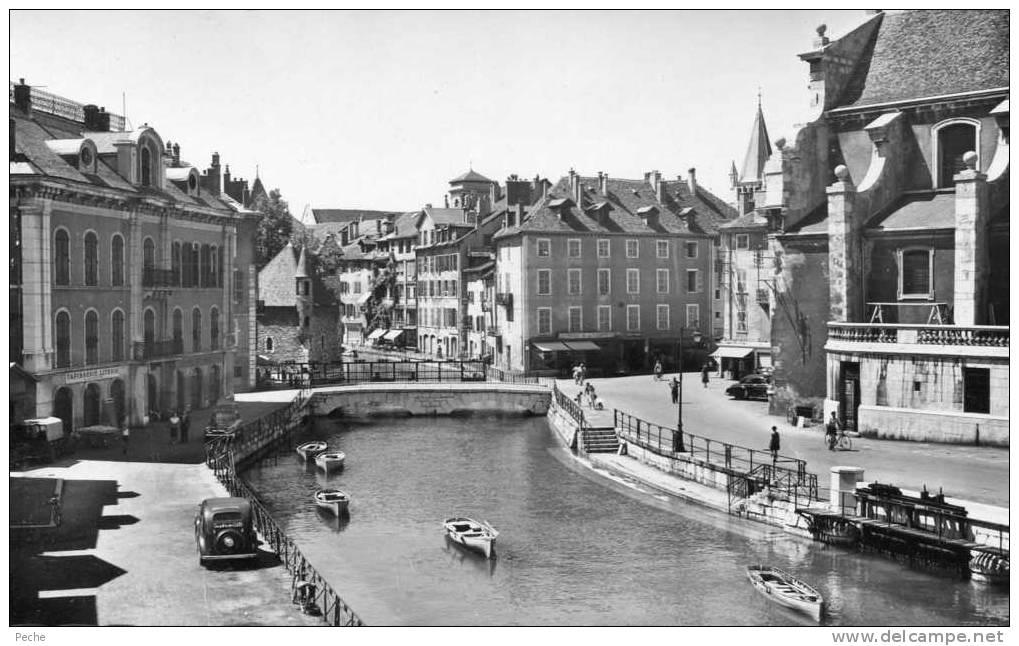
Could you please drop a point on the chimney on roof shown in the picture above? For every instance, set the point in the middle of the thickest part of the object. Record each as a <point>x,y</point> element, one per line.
<point>603,184</point>
<point>91,112</point>
<point>660,185</point>
<point>23,97</point>
<point>575,188</point>
<point>210,178</point>
<point>176,154</point>
<point>691,181</point>
<point>821,39</point>
<point>226,176</point>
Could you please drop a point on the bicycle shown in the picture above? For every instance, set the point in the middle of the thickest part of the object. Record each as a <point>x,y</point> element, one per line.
<point>843,442</point>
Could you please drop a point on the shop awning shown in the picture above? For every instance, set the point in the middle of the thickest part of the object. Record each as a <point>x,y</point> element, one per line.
<point>583,346</point>
<point>376,333</point>
<point>550,346</point>
<point>392,335</point>
<point>732,352</point>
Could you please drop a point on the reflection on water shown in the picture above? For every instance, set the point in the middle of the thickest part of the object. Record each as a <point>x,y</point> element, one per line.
<point>574,547</point>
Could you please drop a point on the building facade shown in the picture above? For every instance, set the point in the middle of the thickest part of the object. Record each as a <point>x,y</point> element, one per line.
<point>135,280</point>
<point>887,218</point>
<point>613,273</point>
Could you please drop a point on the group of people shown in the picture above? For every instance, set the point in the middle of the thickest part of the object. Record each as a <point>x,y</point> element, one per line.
<point>579,374</point>
<point>588,395</point>
<point>179,426</point>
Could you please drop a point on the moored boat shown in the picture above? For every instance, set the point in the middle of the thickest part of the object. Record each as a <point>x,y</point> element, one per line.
<point>472,534</point>
<point>330,461</point>
<point>787,590</point>
<point>990,566</point>
<point>311,449</point>
<point>332,500</point>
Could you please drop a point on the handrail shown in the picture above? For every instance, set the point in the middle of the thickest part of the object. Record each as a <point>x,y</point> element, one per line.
<point>220,457</point>
<point>569,406</point>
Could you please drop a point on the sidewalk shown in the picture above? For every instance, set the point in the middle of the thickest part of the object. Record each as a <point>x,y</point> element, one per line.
<point>125,555</point>
<point>978,477</point>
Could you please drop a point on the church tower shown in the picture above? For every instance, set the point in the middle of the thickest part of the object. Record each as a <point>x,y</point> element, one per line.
<point>750,178</point>
<point>305,301</point>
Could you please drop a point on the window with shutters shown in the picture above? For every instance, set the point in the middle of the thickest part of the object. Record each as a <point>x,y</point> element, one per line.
<point>63,336</point>
<point>916,273</point>
<point>91,337</point>
<point>196,330</point>
<point>91,259</point>
<point>117,335</point>
<point>117,261</point>
<point>62,258</point>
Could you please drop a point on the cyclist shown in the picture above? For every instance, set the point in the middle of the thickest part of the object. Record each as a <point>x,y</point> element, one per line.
<point>831,431</point>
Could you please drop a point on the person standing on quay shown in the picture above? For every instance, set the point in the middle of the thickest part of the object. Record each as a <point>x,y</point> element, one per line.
<point>174,427</point>
<point>704,375</point>
<point>774,444</point>
<point>674,389</point>
<point>125,435</point>
<point>185,424</point>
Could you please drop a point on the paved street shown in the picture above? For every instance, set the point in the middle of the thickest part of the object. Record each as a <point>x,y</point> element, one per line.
<point>132,558</point>
<point>970,473</point>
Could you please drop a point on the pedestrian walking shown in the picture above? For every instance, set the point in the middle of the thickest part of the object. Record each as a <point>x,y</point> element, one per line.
<point>185,424</point>
<point>125,436</point>
<point>583,374</point>
<point>576,373</point>
<point>705,375</point>
<point>174,427</point>
<point>774,444</point>
<point>658,370</point>
<point>674,389</point>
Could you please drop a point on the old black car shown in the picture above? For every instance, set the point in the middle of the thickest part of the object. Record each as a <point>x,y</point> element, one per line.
<point>750,387</point>
<point>224,530</point>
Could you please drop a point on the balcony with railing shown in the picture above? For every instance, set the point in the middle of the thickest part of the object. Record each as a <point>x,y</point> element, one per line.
<point>159,278</point>
<point>895,338</point>
<point>145,350</point>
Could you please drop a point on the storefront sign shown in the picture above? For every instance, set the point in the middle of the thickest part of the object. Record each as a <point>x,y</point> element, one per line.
<point>90,375</point>
<point>586,335</point>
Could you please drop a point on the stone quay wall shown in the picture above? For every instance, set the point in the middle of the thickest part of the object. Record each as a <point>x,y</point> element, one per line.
<point>414,399</point>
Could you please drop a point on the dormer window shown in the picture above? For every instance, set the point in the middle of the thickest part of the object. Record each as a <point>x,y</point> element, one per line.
<point>85,158</point>
<point>192,183</point>
<point>146,170</point>
<point>952,140</point>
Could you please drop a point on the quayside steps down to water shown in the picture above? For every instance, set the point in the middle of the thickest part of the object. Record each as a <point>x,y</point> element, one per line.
<point>600,440</point>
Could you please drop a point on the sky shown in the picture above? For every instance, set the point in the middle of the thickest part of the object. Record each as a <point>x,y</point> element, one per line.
<point>380,109</point>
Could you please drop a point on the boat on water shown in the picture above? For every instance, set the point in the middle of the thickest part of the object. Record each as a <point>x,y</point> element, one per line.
<point>332,500</point>
<point>472,534</point>
<point>990,565</point>
<point>787,590</point>
<point>330,461</point>
<point>311,449</point>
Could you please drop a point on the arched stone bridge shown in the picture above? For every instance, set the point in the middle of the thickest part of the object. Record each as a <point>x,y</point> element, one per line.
<point>413,399</point>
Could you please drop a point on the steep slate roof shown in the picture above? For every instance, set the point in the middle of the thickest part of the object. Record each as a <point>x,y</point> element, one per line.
<point>276,286</point>
<point>405,226</point>
<point>470,176</point>
<point>447,216</point>
<point>758,150</point>
<point>926,53</point>
<point>746,221</point>
<point>917,211</point>
<point>348,215</point>
<point>701,212</point>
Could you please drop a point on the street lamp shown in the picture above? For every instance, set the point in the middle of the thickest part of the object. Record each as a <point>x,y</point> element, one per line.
<point>677,438</point>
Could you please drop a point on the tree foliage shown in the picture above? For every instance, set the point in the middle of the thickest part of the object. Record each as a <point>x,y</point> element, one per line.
<point>276,227</point>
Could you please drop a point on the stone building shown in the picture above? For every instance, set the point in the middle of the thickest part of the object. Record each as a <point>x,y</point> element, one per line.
<point>401,244</point>
<point>134,280</point>
<point>298,317</point>
<point>887,216</point>
<point>610,272</point>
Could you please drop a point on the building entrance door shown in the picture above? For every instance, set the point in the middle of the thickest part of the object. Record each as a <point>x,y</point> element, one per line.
<point>849,394</point>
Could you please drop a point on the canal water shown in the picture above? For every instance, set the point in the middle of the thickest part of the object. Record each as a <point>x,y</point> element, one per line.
<point>575,548</point>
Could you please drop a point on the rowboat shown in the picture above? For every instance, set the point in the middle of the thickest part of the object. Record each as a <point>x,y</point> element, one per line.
<point>991,566</point>
<point>472,534</point>
<point>329,461</point>
<point>311,449</point>
<point>787,590</point>
<point>332,500</point>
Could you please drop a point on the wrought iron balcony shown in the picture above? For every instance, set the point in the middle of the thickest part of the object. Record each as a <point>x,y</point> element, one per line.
<point>157,349</point>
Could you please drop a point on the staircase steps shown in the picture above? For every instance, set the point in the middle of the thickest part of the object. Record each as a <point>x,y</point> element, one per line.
<point>600,440</point>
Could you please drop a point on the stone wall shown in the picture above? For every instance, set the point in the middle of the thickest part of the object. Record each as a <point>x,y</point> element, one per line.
<point>432,399</point>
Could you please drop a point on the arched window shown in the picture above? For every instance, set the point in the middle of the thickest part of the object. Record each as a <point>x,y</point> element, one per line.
<point>952,141</point>
<point>149,329</point>
<point>117,335</point>
<point>91,404</point>
<point>117,261</point>
<point>204,262</point>
<point>194,256</point>
<point>185,276</point>
<point>196,330</point>
<point>91,259</point>
<point>268,344</point>
<point>148,262</point>
<point>63,336</point>
<point>175,263</point>
<point>214,329</point>
<point>91,337</point>
<point>146,170</point>
<point>62,258</point>
<point>219,269</point>
<point>178,331</point>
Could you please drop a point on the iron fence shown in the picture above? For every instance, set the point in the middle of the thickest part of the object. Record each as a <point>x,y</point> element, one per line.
<point>569,406</point>
<point>311,374</point>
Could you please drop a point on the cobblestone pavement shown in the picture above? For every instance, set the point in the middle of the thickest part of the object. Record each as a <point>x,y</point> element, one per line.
<point>125,555</point>
<point>978,476</point>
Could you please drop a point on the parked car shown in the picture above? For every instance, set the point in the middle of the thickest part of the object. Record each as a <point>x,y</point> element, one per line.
<point>224,530</point>
<point>750,387</point>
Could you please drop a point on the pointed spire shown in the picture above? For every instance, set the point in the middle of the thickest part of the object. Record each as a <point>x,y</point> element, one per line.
<point>758,150</point>
<point>302,266</point>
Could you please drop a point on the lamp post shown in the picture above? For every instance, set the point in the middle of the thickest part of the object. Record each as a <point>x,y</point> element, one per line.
<point>677,438</point>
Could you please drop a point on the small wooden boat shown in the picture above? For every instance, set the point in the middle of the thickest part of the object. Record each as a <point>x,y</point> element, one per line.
<point>472,534</point>
<point>330,461</point>
<point>332,500</point>
<point>311,449</point>
<point>990,566</point>
<point>786,590</point>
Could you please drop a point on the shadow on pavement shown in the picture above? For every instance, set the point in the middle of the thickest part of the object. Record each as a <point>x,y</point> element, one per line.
<point>263,561</point>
